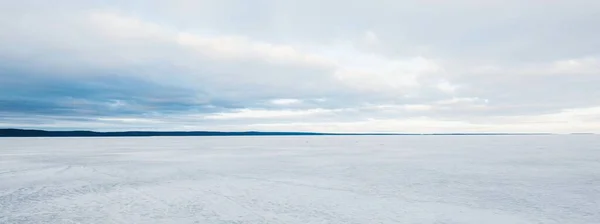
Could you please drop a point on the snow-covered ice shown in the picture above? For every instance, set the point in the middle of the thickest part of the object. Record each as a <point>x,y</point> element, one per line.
<point>319,179</point>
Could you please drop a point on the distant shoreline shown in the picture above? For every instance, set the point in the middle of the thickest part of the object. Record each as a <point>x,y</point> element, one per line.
<point>44,133</point>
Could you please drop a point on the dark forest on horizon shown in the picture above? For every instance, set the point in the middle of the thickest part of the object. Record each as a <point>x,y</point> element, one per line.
<point>43,133</point>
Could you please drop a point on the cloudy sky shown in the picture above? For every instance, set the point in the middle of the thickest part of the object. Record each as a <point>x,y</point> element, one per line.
<point>310,65</point>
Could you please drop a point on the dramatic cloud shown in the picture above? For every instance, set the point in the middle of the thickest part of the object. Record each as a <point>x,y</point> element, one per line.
<point>342,66</point>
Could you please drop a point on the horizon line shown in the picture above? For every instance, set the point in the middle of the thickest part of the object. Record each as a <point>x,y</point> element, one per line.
<point>18,132</point>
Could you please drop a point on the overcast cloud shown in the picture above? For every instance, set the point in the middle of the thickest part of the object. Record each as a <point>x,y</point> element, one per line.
<point>276,65</point>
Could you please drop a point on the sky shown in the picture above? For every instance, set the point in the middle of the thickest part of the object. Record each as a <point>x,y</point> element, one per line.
<point>281,65</point>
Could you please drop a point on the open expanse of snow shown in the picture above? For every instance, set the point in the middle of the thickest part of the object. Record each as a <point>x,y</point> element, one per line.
<point>319,179</point>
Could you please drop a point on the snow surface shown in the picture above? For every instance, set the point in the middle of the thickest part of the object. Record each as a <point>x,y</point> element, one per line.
<point>319,179</point>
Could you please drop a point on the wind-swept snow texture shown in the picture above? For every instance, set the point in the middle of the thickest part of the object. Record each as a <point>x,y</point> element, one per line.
<point>316,179</point>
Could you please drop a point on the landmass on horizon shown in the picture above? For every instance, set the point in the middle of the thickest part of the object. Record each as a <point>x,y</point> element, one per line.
<point>13,132</point>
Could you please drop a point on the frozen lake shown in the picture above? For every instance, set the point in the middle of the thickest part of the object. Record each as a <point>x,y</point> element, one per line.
<point>320,179</point>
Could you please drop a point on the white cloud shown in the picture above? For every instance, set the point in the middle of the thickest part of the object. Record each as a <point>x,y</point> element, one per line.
<point>238,47</point>
<point>117,26</point>
<point>116,104</point>
<point>286,101</point>
<point>261,113</point>
<point>463,100</point>
<point>574,66</point>
<point>447,87</point>
<point>376,73</point>
<point>567,121</point>
<point>588,66</point>
<point>574,115</point>
<point>225,47</point>
<point>396,107</point>
<point>418,107</point>
<point>371,39</point>
<point>129,120</point>
<point>354,69</point>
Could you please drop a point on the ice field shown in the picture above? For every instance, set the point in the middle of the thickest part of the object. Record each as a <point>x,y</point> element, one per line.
<point>318,179</point>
